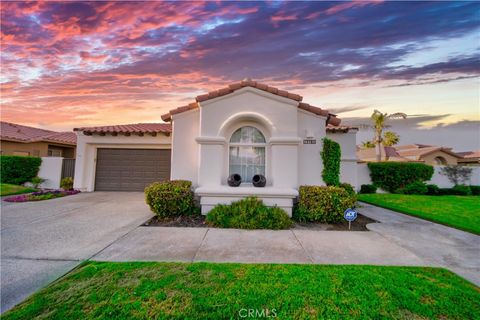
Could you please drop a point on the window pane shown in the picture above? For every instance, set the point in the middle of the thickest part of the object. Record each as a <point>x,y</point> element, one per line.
<point>247,135</point>
<point>247,161</point>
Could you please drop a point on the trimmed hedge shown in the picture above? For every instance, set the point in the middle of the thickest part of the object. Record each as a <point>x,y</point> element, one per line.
<point>248,213</point>
<point>322,204</point>
<point>348,187</point>
<point>331,155</point>
<point>417,187</point>
<point>171,198</point>
<point>391,176</point>
<point>368,188</point>
<point>18,169</point>
<point>475,190</point>
<point>432,190</point>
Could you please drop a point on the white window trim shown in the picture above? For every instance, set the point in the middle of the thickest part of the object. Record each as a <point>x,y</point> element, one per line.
<point>242,144</point>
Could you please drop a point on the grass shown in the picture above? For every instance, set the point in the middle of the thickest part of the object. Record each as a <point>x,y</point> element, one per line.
<point>461,212</point>
<point>11,189</point>
<point>145,290</point>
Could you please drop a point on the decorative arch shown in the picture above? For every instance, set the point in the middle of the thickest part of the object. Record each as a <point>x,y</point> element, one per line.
<point>234,121</point>
<point>441,161</point>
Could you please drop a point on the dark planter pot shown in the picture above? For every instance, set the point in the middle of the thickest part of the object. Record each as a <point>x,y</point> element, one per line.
<point>259,180</point>
<point>234,180</point>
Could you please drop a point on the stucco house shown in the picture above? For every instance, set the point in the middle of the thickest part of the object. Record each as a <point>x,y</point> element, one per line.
<point>432,155</point>
<point>246,128</point>
<point>23,140</point>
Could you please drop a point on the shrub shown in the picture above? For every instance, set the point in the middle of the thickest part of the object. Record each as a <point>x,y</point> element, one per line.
<point>37,181</point>
<point>170,198</point>
<point>432,189</point>
<point>417,187</point>
<point>248,213</point>
<point>67,183</point>
<point>18,169</point>
<point>322,204</point>
<point>391,176</point>
<point>348,187</point>
<point>331,155</point>
<point>475,190</point>
<point>445,191</point>
<point>461,190</point>
<point>368,188</point>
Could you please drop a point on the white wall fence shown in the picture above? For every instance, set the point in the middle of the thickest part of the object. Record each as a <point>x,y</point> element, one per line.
<point>363,177</point>
<point>53,169</point>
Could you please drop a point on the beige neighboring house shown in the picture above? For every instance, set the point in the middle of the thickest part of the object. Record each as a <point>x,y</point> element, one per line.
<point>433,155</point>
<point>469,158</point>
<point>22,140</point>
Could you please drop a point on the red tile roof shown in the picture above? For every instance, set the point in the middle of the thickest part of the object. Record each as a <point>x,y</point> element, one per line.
<point>25,134</point>
<point>469,154</point>
<point>331,128</point>
<point>253,84</point>
<point>138,128</point>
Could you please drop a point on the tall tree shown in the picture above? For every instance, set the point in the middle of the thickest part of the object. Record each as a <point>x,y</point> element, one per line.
<point>379,120</point>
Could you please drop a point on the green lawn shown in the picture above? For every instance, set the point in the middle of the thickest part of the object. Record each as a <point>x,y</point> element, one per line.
<point>146,290</point>
<point>462,212</point>
<point>11,189</point>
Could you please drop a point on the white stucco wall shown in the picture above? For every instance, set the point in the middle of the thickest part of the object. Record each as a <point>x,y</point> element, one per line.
<point>363,176</point>
<point>275,116</point>
<point>185,154</point>
<point>348,165</point>
<point>310,164</point>
<point>51,171</point>
<point>87,146</point>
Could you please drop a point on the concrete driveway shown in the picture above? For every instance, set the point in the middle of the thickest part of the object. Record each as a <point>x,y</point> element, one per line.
<point>41,241</point>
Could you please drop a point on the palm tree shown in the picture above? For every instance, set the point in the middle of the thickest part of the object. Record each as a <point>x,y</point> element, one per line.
<point>379,120</point>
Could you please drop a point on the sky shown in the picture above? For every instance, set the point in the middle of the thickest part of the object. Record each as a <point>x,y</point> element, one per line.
<point>71,64</point>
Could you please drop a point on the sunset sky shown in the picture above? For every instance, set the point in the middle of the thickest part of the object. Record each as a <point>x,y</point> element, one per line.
<point>65,65</point>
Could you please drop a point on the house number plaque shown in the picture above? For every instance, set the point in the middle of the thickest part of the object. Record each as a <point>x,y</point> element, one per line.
<point>309,141</point>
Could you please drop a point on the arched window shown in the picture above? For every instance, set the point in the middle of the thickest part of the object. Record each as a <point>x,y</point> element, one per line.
<point>247,153</point>
<point>440,161</point>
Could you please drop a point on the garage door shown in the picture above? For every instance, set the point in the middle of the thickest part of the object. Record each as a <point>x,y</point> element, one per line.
<point>130,169</point>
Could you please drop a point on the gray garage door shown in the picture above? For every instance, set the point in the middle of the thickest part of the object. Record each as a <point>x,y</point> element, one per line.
<point>130,169</point>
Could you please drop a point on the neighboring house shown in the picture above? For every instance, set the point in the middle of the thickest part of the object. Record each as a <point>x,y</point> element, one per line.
<point>433,155</point>
<point>22,140</point>
<point>469,158</point>
<point>245,128</point>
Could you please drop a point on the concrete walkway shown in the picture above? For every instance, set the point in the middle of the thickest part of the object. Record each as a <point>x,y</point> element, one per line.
<point>257,246</point>
<point>436,244</point>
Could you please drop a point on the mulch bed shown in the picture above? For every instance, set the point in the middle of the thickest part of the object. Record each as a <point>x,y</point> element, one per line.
<point>198,221</point>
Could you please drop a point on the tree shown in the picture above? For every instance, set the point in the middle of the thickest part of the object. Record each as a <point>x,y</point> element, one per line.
<point>390,138</point>
<point>379,120</point>
<point>456,174</point>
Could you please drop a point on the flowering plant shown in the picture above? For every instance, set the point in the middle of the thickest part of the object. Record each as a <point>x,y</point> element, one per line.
<point>42,195</point>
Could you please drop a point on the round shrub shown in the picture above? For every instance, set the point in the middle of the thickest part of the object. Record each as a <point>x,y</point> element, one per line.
<point>391,176</point>
<point>248,213</point>
<point>322,204</point>
<point>417,187</point>
<point>66,183</point>
<point>348,187</point>
<point>475,190</point>
<point>432,189</point>
<point>170,198</point>
<point>368,188</point>
<point>461,190</point>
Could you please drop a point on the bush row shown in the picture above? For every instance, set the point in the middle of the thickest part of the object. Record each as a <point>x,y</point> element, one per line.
<point>315,204</point>
<point>18,169</point>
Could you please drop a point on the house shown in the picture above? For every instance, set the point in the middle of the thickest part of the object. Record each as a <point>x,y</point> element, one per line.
<point>246,128</point>
<point>433,155</point>
<point>22,140</point>
<point>469,158</point>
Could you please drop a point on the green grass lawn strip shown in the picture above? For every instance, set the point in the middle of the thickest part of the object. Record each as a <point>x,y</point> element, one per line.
<point>461,212</point>
<point>147,290</point>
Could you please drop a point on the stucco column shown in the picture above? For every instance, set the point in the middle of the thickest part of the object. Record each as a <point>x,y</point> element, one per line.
<point>210,161</point>
<point>284,162</point>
